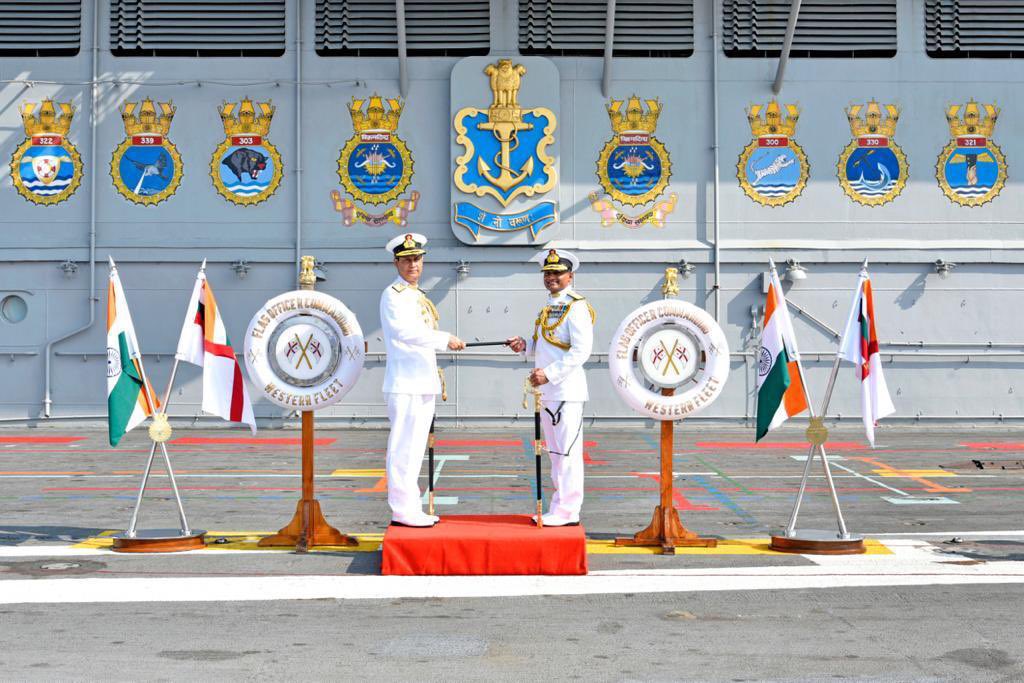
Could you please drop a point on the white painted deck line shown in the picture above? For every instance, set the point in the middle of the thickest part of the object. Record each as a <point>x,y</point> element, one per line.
<point>914,563</point>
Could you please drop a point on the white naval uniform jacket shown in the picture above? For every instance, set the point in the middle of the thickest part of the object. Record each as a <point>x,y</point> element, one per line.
<point>563,366</point>
<point>411,340</point>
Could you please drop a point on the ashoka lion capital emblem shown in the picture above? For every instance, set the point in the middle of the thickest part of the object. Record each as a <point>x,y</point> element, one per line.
<point>505,144</point>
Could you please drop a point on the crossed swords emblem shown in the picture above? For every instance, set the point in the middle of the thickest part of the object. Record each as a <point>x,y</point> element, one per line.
<point>310,346</point>
<point>669,356</point>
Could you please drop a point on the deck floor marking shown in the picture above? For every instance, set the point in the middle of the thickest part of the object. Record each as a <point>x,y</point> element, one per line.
<point>931,486</point>
<point>358,473</point>
<point>779,445</point>
<point>720,473</point>
<point>40,439</point>
<point>249,440</point>
<point>727,501</point>
<point>908,565</point>
<point>914,474</point>
<point>935,500</point>
<point>831,458</point>
<point>439,462</point>
<point>680,502</point>
<point>867,478</point>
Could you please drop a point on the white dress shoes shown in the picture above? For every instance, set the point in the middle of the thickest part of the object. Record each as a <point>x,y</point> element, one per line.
<point>551,519</point>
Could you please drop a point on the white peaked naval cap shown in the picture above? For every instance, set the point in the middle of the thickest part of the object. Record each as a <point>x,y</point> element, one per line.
<point>556,260</point>
<point>407,244</point>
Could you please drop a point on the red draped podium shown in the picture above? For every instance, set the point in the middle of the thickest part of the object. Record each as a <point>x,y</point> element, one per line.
<point>484,545</point>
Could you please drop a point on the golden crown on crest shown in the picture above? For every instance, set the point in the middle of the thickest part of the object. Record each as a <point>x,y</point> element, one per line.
<point>143,117</point>
<point>246,121</point>
<point>774,122</point>
<point>376,116</point>
<point>44,119</point>
<point>971,123</point>
<point>870,122</point>
<point>634,118</point>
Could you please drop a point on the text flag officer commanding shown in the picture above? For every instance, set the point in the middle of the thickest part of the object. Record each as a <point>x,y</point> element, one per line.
<point>562,338</point>
<point>411,382</point>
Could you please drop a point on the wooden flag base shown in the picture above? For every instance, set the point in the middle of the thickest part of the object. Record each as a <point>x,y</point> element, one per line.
<point>318,531</point>
<point>159,541</point>
<point>665,530</point>
<point>808,542</point>
<point>308,526</point>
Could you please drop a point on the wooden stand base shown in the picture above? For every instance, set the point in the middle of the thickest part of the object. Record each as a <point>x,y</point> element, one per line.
<point>807,542</point>
<point>318,531</point>
<point>159,541</point>
<point>667,532</point>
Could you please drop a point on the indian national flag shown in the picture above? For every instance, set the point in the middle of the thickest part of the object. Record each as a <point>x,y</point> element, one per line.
<point>780,393</point>
<point>204,342</point>
<point>128,402</point>
<point>860,347</point>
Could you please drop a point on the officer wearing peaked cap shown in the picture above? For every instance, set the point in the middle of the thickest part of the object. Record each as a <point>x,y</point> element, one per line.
<point>562,339</point>
<point>411,380</point>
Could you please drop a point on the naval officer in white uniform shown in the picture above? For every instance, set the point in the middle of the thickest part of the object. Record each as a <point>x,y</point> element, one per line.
<point>563,336</point>
<point>411,380</point>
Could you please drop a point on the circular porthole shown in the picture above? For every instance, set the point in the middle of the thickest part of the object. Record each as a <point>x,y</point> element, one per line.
<point>13,308</point>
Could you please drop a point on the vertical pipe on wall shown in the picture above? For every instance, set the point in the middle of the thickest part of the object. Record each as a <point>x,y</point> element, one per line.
<point>92,298</point>
<point>298,138</point>
<point>609,46</point>
<point>403,52</point>
<point>787,43</point>
<point>716,253</point>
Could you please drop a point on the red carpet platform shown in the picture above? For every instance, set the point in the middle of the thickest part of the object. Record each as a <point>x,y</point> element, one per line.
<point>484,545</point>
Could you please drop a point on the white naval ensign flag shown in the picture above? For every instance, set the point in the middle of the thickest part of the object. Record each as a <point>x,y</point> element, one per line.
<point>204,342</point>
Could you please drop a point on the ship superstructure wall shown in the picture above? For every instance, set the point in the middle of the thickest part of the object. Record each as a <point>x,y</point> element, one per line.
<point>952,346</point>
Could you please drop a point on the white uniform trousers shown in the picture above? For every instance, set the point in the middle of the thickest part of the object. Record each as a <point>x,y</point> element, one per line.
<point>563,435</point>
<point>410,416</point>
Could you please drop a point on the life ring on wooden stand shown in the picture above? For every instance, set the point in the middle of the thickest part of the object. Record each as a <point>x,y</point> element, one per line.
<point>304,349</point>
<point>669,344</point>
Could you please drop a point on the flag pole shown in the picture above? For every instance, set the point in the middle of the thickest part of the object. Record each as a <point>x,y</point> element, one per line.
<point>149,463</point>
<point>152,449</point>
<point>816,434</point>
<point>167,459</point>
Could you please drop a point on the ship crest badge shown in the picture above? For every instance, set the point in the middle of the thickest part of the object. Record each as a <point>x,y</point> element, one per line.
<point>246,168</point>
<point>46,168</point>
<point>375,165</point>
<point>505,145</point>
<point>634,167</point>
<point>773,168</point>
<point>872,169</point>
<point>146,167</point>
<point>971,169</point>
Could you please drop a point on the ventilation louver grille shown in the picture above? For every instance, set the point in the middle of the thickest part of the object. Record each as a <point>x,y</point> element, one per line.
<point>974,28</point>
<point>825,28</point>
<point>195,28</point>
<point>350,28</point>
<point>577,28</point>
<point>40,29</point>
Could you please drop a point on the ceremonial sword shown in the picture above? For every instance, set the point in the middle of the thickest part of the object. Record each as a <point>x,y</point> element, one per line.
<point>430,469</point>
<point>430,447</point>
<point>487,343</point>
<point>527,387</point>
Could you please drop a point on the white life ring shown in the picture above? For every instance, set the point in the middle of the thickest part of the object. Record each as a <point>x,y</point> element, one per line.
<point>304,349</point>
<point>675,344</point>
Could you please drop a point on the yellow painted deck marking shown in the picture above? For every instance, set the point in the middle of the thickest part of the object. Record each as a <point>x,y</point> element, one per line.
<point>728,546</point>
<point>911,474</point>
<point>357,473</point>
<point>371,542</point>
